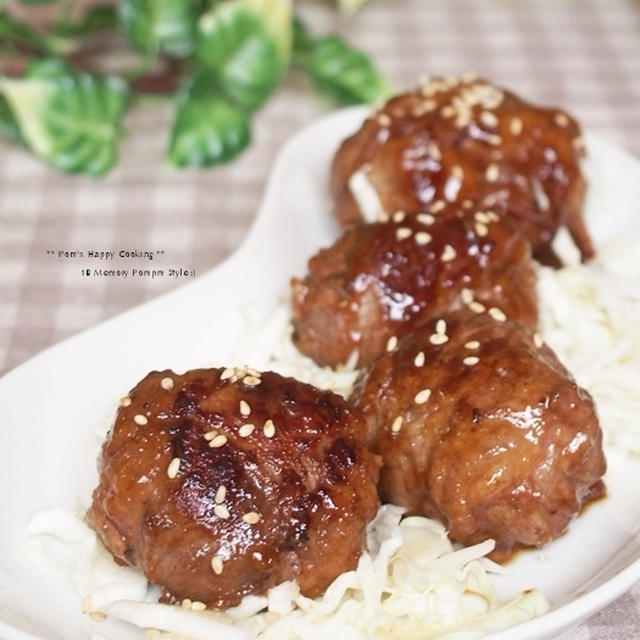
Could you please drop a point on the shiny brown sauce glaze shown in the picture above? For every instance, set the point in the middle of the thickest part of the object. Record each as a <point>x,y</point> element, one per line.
<point>481,427</point>
<point>460,138</point>
<point>379,281</point>
<point>213,509</point>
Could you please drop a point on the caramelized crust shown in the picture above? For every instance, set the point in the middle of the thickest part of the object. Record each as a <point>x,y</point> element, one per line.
<point>212,509</point>
<point>481,427</point>
<point>461,138</point>
<point>381,280</point>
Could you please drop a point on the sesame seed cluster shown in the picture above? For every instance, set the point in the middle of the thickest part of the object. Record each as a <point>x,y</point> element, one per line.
<point>232,474</point>
<point>461,138</point>
<point>381,280</point>
<point>479,426</point>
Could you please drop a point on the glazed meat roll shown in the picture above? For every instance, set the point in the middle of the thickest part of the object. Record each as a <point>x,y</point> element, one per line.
<point>481,427</point>
<point>461,138</point>
<point>220,483</point>
<point>379,281</point>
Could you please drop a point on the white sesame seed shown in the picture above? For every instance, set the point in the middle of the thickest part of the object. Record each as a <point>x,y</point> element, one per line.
<point>218,441</point>
<point>246,430</point>
<point>515,126</point>
<point>392,343</point>
<point>438,205</point>
<point>166,383</point>
<point>441,327</point>
<point>173,468</point>
<point>251,381</point>
<point>419,359</point>
<point>384,120</point>
<point>472,344</point>
<point>577,143</point>
<point>471,360</point>
<point>426,106</point>
<point>210,435</point>
<point>457,172</point>
<point>396,425</point>
<point>492,173</point>
<point>482,216</point>
<point>221,494</point>
<point>86,604</point>
<point>251,517</point>
<point>492,215</point>
<point>477,307</point>
<point>422,396</point>
<point>481,229</point>
<point>561,119</point>
<point>398,216</point>
<point>438,338</point>
<point>448,253</point>
<point>434,151</point>
<point>245,409</point>
<point>403,233</point>
<point>227,373</point>
<point>448,111</point>
<point>494,140</point>
<point>98,616</point>
<point>269,429</point>
<point>497,314</point>
<point>425,218</point>
<point>466,295</point>
<point>537,340</point>
<point>427,90</point>
<point>196,605</point>
<point>217,565</point>
<point>422,238</point>
<point>489,119</point>
<point>125,402</point>
<point>140,419</point>
<point>186,603</point>
<point>221,511</point>
<point>467,204</point>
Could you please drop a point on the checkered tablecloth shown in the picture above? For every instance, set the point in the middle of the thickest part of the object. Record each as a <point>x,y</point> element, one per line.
<point>582,55</point>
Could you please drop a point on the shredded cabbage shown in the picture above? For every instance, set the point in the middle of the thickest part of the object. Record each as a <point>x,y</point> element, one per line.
<point>410,584</point>
<point>589,318</point>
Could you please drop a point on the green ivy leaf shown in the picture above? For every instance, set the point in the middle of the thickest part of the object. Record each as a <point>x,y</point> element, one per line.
<point>277,17</point>
<point>207,129</point>
<point>9,128</point>
<point>345,74</point>
<point>238,41</point>
<point>71,119</point>
<point>160,25</point>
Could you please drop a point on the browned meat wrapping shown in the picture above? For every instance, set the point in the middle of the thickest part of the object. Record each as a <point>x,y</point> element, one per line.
<point>381,280</point>
<point>221,483</point>
<point>481,427</point>
<point>462,138</point>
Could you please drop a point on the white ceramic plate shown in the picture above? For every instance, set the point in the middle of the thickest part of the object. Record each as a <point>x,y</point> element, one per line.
<point>51,404</point>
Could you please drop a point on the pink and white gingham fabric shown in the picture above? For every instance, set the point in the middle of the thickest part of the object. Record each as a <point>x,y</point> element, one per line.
<point>582,55</point>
